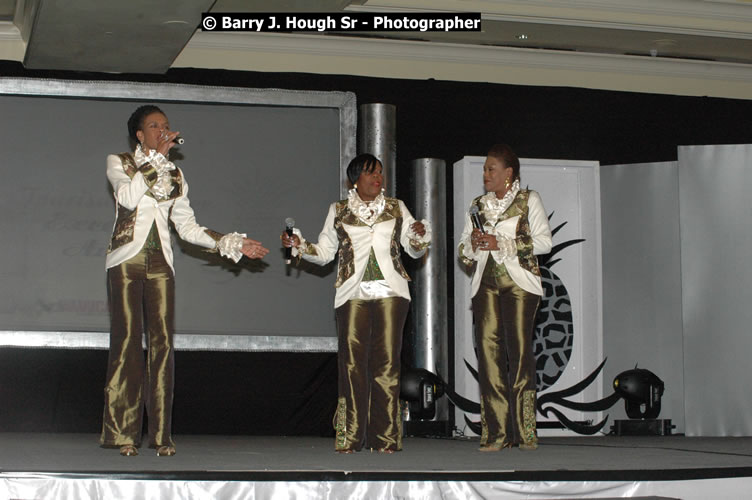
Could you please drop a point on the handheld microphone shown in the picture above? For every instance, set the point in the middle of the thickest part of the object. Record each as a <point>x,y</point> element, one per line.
<point>476,218</point>
<point>289,224</point>
<point>176,140</point>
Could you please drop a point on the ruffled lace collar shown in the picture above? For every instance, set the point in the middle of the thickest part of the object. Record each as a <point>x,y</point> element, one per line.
<point>493,207</point>
<point>163,187</point>
<point>367,212</point>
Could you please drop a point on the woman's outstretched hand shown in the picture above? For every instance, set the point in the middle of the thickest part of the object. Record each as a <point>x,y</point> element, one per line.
<point>253,249</point>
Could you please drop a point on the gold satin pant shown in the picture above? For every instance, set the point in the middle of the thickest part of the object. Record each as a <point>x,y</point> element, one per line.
<point>504,325</point>
<point>368,361</point>
<point>142,299</point>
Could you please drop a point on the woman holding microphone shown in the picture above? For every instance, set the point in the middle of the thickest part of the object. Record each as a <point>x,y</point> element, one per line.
<point>150,191</point>
<point>510,229</point>
<point>365,231</point>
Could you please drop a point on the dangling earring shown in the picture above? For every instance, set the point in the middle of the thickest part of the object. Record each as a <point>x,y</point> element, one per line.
<point>355,186</point>
<point>508,182</point>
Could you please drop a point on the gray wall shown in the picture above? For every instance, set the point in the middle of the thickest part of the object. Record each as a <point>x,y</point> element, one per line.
<point>642,294</point>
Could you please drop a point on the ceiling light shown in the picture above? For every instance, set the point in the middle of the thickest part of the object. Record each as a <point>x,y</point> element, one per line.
<point>521,36</point>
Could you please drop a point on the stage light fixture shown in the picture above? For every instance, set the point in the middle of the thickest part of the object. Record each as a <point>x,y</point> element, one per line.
<point>421,388</point>
<point>642,391</point>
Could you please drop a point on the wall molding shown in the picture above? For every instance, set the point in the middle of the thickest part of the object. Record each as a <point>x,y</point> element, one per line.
<point>436,54</point>
<point>605,13</point>
<point>9,32</point>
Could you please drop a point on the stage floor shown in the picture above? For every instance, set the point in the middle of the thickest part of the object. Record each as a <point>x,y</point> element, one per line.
<point>254,458</point>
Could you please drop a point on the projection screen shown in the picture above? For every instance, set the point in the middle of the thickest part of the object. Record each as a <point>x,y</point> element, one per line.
<point>252,158</point>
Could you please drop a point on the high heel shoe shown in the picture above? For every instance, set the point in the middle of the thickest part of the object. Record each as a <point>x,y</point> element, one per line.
<point>128,450</point>
<point>494,447</point>
<point>387,451</point>
<point>165,451</point>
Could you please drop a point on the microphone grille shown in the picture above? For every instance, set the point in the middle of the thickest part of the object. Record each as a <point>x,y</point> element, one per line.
<point>290,222</point>
<point>473,210</point>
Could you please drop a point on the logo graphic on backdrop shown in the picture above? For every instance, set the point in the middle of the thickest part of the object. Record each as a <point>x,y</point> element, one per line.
<point>554,326</point>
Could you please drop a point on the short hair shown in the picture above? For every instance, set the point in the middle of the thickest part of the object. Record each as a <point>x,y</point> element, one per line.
<point>504,153</point>
<point>136,121</point>
<point>360,163</point>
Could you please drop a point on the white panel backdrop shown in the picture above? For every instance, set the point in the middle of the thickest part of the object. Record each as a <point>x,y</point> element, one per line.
<point>716,239</point>
<point>642,310</point>
<point>571,190</point>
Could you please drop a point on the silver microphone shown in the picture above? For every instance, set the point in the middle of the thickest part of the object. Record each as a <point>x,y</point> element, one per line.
<point>176,140</point>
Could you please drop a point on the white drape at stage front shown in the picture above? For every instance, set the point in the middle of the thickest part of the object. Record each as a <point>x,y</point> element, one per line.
<point>43,488</point>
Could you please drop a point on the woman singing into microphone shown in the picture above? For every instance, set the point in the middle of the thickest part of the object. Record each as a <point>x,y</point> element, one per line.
<point>505,289</point>
<point>150,191</point>
<point>366,231</point>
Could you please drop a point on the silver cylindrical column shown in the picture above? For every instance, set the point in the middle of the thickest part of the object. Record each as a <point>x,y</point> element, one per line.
<point>429,300</point>
<point>377,135</point>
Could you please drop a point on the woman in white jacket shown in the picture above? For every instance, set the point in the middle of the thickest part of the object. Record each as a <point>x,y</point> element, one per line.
<point>149,192</point>
<point>505,289</point>
<point>371,302</point>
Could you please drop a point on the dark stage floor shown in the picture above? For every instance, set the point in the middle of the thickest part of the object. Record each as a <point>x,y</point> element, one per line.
<point>254,458</point>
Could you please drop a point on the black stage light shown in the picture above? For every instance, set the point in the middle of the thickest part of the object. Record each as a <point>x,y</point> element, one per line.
<point>641,390</point>
<point>421,388</point>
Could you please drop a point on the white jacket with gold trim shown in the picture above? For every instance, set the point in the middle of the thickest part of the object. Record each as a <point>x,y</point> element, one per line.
<point>346,236</point>
<point>525,223</point>
<point>137,210</point>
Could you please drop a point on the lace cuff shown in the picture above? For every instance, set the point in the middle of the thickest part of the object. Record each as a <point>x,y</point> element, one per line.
<point>230,246</point>
<point>420,242</point>
<point>161,165</point>
<point>299,250</point>
<point>467,255</point>
<point>160,162</point>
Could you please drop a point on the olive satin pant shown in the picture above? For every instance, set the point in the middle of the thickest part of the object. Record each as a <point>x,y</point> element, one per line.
<point>142,299</point>
<point>368,360</point>
<point>504,323</point>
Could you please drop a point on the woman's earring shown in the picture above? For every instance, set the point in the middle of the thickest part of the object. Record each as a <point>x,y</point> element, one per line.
<point>355,186</point>
<point>507,183</point>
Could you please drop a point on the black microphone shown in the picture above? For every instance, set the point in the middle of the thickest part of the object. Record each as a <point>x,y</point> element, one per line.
<point>178,140</point>
<point>289,224</point>
<point>476,218</point>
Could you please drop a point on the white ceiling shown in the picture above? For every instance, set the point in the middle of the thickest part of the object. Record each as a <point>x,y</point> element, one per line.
<point>147,36</point>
